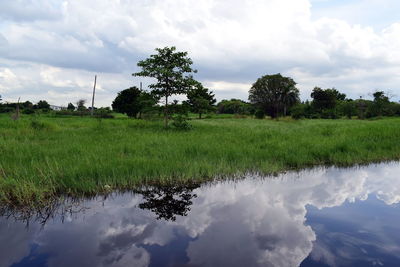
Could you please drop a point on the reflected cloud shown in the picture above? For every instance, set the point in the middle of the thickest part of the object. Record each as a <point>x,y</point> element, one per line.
<point>273,221</point>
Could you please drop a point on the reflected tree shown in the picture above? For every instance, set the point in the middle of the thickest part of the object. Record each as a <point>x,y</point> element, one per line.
<point>168,201</point>
<point>55,208</point>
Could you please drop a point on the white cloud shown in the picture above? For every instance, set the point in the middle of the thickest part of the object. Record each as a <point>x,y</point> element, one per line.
<point>231,42</point>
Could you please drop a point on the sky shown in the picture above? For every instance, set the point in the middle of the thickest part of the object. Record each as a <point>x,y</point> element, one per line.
<point>52,49</point>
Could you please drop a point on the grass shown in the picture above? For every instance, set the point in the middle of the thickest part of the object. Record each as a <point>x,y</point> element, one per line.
<point>44,157</point>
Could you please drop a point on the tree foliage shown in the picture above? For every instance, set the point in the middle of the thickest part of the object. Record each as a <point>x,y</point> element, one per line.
<point>71,106</point>
<point>173,72</point>
<point>274,94</point>
<point>133,101</point>
<point>126,102</point>
<point>80,104</point>
<point>324,99</point>
<point>200,99</point>
<point>234,106</point>
<point>42,104</point>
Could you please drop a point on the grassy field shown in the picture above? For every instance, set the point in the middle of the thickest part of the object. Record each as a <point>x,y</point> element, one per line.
<point>42,157</point>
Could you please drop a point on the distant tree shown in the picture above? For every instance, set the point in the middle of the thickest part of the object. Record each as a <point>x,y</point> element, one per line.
<point>126,102</point>
<point>71,107</point>
<point>80,104</point>
<point>200,100</point>
<point>27,105</point>
<point>348,108</point>
<point>298,111</point>
<point>274,94</point>
<point>326,98</point>
<point>381,101</point>
<point>235,106</point>
<point>42,104</point>
<point>146,102</point>
<point>133,101</point>
<point>173,73</point>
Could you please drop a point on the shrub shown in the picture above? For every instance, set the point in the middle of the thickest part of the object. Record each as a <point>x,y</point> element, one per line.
<point>180,122</point>
<point>28,111</point>
<point>298,111</point>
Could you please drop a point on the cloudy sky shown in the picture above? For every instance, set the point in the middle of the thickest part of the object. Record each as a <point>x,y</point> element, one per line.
<point>51,49</point>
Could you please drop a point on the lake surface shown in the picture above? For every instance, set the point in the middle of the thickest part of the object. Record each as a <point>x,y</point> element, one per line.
<point>319,217</point>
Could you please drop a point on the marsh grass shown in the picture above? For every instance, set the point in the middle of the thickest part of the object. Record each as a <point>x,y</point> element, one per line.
<point>47,156</point>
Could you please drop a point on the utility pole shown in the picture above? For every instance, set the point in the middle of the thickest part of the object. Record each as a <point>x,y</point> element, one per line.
<point>94,91</point>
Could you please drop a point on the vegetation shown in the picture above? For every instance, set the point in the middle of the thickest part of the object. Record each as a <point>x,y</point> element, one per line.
<point>173,73</point>
<point>274,94</point>
<point>200,99</point>
<point>235,106</point>
<point>46,153</point>
<point>133,101</point>
<point>44,156</point>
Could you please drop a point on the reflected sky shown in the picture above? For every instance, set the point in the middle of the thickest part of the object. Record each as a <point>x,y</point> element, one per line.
<point>318,217</point>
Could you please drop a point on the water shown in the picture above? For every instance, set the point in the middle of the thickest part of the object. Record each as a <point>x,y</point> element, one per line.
<point>322,217</point>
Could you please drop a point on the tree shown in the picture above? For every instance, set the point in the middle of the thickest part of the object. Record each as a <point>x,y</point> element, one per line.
<point>173,73</point>
<point>234,106</point>
<point>326,98</point>
<point>80,104</point>
<point>42,104</point>
<point>71,107</point>
<point>146,102</point>
<point>126,102</point>
<point>200,100</point>
<point>381,101</point>
<point>274,94</point>
<point>133,101</point>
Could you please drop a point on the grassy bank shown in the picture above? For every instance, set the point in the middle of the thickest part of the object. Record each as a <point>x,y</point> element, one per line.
<point>46,156</point>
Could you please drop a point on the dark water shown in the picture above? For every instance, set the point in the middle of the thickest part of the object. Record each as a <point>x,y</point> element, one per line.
<point>323,217</point>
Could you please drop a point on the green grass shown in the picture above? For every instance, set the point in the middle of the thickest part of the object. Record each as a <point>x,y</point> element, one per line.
<point>44,157</point>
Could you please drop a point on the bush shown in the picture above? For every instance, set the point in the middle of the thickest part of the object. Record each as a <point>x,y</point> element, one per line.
<point>259,114</point>
<point>298,111</point>
<point>180,122</point>
<point>7,109</point>
<point>28,111</point>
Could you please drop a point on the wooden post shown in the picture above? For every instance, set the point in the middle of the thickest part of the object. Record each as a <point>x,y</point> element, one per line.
<point>16,115</point>
<point>94,91</point>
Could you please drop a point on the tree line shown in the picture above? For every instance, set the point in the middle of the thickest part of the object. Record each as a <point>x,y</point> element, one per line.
<point>270,95</point>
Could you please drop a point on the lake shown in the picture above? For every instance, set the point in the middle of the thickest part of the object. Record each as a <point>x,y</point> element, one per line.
<point>318,217</point>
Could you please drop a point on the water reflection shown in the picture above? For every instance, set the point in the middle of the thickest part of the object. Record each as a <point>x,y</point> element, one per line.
<point>168,201</point>
<point>333,217</point>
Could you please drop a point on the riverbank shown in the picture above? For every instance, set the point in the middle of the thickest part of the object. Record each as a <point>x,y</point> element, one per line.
<point>47,156</point>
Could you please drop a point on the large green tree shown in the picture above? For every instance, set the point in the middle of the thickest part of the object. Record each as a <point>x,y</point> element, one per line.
<point>200,99</point>
<point>326,98</point>
<point>173,72</point>
<point>133,101</point>
<point>126,102</point>
<point>42,104</point>
<point>274,94</point>
<point>381,101</point>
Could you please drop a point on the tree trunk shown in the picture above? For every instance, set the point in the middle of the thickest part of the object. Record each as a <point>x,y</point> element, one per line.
<point>199,115</point>
<point>284,110</point>
<point>166,112</point>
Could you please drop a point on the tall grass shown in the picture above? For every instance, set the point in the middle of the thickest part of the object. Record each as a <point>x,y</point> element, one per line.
<point>42,157</point>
